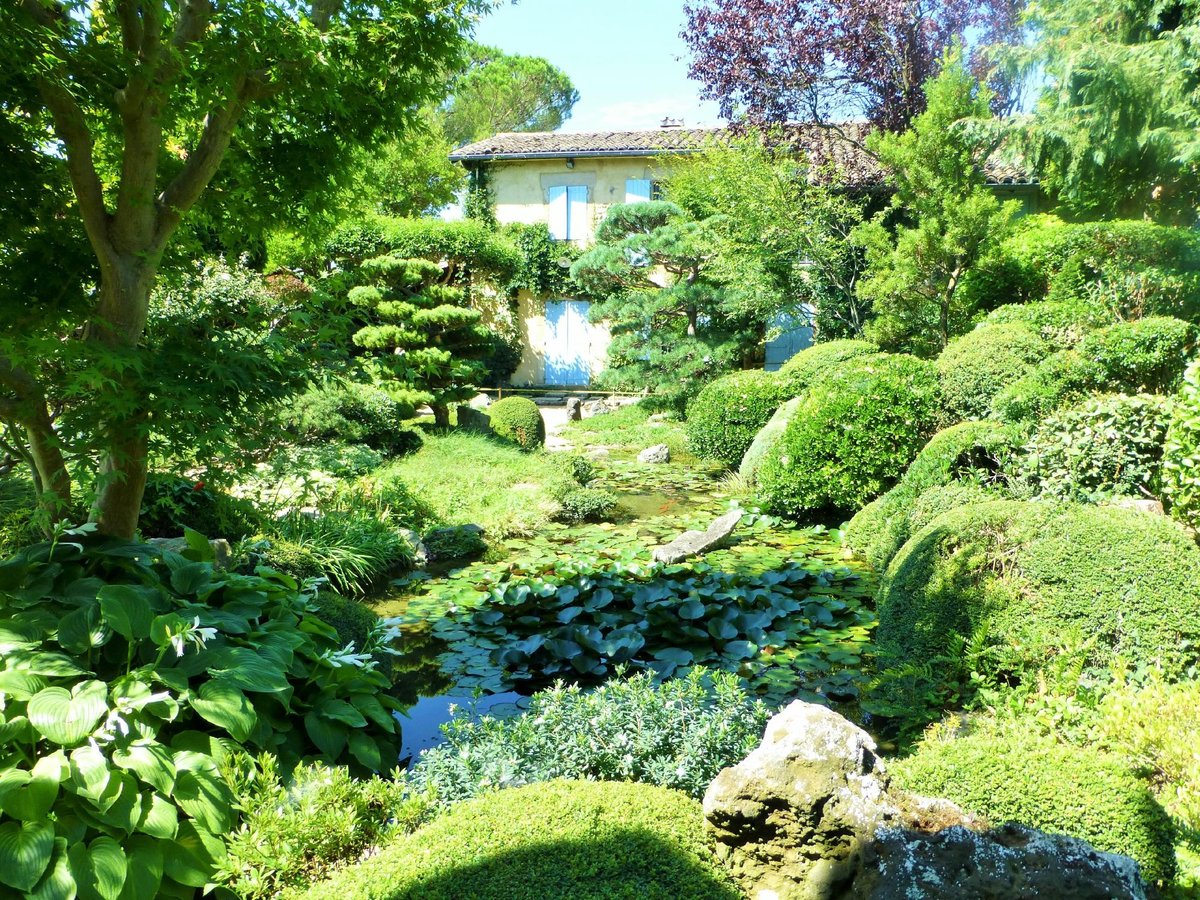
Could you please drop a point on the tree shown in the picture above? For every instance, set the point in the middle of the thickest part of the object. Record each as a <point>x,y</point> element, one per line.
<point>1117,129</point>
<point>949,218</point>
<point>787,60</point>
<point>780,228</point>
<point>426,340</point>
<point>499,92</point>
<point>142,100</point>
<point>672,327</point>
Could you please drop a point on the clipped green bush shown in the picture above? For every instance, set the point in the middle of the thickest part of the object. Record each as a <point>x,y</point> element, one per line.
<point>129,677</point>
<point>813,363</point>
<point>1061,378</point>
<point>351,413</point>
<point>726,415</point>
<point>1146,356</point>
<point>353,621</point>
<point>577,839</point>
<point>1062,790</point>
<point>1032,575</point>
<point>518,419</point>
<point>1111,444</point>
<point>974,367</point>
<point>678,733</point>
<point>171,504</point>
<point>455,542</point>
<point>1060,323</point>
<point>853,435</point>
<point>971,452</point>
<point>587,505</point>
<point>1181,451</point>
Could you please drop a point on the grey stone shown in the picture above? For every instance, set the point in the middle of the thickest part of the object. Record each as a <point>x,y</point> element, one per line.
<point>811,814</point>
<point>656,455</point>
<point>593,408</point>
<point>1140,504</point>
<point>421,557</point>
<point>598,453</point>
<point>480,401</point>
<point>693,543</point>
<point>474,420</point>
<point>766,438</point>
<point>221,549</point>
<point>574,409</point>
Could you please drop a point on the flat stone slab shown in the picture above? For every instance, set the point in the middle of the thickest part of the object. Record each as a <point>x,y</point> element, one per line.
<point>693,543</point>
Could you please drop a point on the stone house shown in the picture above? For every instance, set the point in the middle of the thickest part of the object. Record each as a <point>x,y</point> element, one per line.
<point>567,182</point>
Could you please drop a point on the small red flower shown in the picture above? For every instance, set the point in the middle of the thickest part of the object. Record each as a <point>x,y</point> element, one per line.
<point>198,486</point>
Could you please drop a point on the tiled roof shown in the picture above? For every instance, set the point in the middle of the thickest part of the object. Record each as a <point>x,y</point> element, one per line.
<point>840,145</point>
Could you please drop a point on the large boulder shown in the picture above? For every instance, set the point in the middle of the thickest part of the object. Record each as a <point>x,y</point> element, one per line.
<point>656,455</point>
<point>812,815</point>
<point>766,438</point>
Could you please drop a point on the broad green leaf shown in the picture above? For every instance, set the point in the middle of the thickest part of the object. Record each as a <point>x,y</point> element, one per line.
<point>25,852</point>
<point>58,883</point>
<point>127,610</point>
<point>203,795</point>
<point>340,711</point>
<point>20,685</point>
<point>226,706</point>
<point>145,868</point>
<point>330,737</point>
<point>192,856</point>
<point>32,801</point>
<point>252,672</point>
<point>100,869</point>
<point>82,629</point>
<point>54,664</point>
<point>160,817</point>
<point>67,718</point>
<point>151,762</point>
<point>365,749</point>
<point>89,771</point>
<point>190,579</point>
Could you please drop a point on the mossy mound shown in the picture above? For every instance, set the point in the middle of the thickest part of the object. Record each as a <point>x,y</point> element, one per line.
<point>1063,790</point>
<point>518,419</point>
<point>1036,576</point>
<point>973,368</point>
<point>583,840</point>
<point>811,364</point>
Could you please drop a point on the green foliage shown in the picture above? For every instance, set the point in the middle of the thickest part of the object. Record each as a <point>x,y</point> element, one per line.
<point>630,428</point>
<point>587,505</point>
<point>465,479</point>
<point>584,840</point>
<point>298,830</point>
<point>811,364</point>
<point>970,453</point>
<point>517,419</point>
<point>498,92</point>
<point>975,367</point>
<point>678,734</point>
<point>1061,790</point>
<point>1106,445</point>
<point>541,270</point>
<point>171,504</point>
<point>18,513</point>
<point>1181,452</point>
<point>1061,323</point>
<point>454,543</point>
<point>674,327</point>
<point>352,413</point>
<point>466,247</point>
<point>581,617</point>
<point>1027,579</point>
<point>852,437</point>
<point>1144,356</point>
<point>914,271</point>
<point>352,548</point>
<point>725,416</point>
<point>129,678</point>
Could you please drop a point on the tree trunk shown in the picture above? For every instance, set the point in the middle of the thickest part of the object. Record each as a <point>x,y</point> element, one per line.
<point>692,318</point>
<point>50,469</point>
<point>441,414</point>
<point>120,321</point>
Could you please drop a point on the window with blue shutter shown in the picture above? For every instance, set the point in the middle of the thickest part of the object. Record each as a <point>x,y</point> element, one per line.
<point>637,190</point>
<point>567,212</point>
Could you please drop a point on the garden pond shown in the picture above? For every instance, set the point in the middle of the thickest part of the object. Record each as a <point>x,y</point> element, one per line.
<point>781,606</point>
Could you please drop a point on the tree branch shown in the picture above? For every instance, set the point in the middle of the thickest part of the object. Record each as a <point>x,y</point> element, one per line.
<point>193,20</point>
<point>48,15</point>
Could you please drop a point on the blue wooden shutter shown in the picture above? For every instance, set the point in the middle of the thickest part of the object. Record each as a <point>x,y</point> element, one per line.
<point>637,190</point>
<point>556,206</point>
<point>577,212</point>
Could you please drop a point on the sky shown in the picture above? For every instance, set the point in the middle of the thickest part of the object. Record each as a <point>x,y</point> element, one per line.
<point>625,58</point>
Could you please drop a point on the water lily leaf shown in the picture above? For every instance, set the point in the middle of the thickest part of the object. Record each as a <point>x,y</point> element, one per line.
<point>692,609</point>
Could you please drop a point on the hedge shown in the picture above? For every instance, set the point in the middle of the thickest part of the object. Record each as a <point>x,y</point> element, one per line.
<point>1181,454</point>
<point>974,367</point>
<point>811,364</point>
<point>852,436</point>
<point>726,415</point>
<point>577,839</point>
<point>1058,789</point>
<point>1061,323</point>
<point>970,450</point>
<point>351,413</point>
<point>517,419</point>
<point>1036,574</point>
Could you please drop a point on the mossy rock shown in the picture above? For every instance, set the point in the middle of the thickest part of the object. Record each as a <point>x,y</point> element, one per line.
<point>517,419</point>
<point>1036,575</point>
<point>1058,789</point>
<point>766,438</point>
<point>582,840</point>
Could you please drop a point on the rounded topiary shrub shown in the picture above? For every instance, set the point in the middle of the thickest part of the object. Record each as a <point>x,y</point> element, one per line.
<point>354,414</point>
<point>170,503</point>
<point>1061,378</point>
<point>1106,445</point>
<point>726,415</point>
<point>518,419</point>
<point>813,363</point>
<point>579,839</point>
<point>587,504</point>
<point>851,437</point>
<point>970,452</point>
<point>973,368</point>
<point>1058,789</point>
<point>1181,453</point>
<point>1060,323</point>
<point>1037,576</point>
<point>1146,356</point>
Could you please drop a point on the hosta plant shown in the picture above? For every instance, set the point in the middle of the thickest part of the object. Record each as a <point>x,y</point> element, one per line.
<point>127,676</point>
